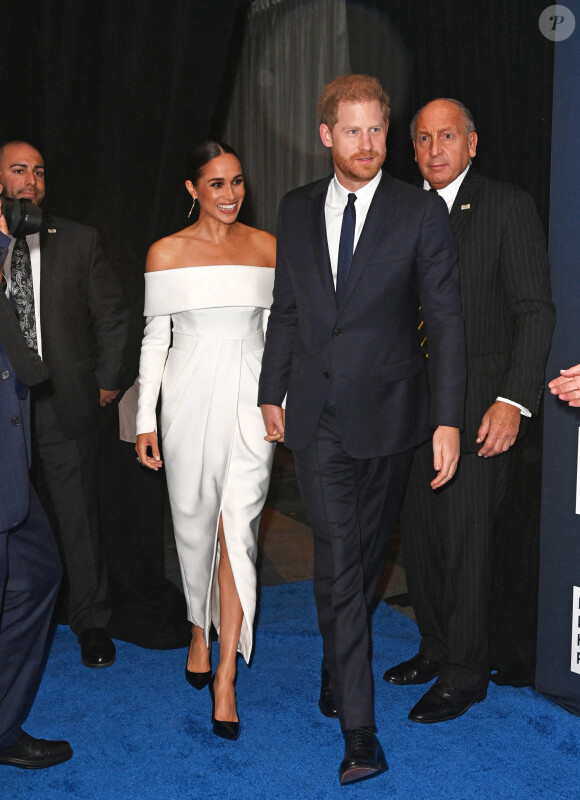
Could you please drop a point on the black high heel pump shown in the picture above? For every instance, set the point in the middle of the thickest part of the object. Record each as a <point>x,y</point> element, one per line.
<point>224,728</point>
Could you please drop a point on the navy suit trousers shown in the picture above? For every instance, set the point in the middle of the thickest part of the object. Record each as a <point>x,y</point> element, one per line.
<point>30,574</point>
<point>352,506</point>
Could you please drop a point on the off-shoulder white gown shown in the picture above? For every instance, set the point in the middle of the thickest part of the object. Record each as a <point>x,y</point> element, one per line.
<point>202,346</point>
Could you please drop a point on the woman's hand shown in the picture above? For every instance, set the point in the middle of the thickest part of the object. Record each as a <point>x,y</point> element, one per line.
<point>145,441</point>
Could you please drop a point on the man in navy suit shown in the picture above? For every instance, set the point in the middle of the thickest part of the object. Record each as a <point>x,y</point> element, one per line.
<point>358,253</point>
<point>30,570</point>
<point>509,317</point>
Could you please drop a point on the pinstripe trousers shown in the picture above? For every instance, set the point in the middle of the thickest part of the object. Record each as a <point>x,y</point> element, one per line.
<point>447,539</point>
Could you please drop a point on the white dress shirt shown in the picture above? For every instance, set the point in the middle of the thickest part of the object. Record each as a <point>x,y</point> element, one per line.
<point>449,193</point>
<point>336,200</point>
<point>33,241</point>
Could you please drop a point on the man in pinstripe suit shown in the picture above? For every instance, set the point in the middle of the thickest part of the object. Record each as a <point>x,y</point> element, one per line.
<point>509,317</point>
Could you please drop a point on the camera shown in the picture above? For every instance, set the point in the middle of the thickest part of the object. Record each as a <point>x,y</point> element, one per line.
<point>22,216</point>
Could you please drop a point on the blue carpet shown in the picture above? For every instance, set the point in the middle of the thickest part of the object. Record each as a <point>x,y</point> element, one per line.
<point>139,731</point>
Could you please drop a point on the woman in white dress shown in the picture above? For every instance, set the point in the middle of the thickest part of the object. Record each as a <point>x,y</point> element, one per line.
<point>207,291</point>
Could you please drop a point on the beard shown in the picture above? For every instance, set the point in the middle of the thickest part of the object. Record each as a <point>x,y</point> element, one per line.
<point>356,170</point>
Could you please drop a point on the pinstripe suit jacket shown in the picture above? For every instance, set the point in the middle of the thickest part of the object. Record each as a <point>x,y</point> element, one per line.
<point>505,292</point>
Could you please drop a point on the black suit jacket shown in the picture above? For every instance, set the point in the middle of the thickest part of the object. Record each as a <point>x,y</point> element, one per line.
<point>83,319</point>
<point>368,346</point>
<point>505,292</point>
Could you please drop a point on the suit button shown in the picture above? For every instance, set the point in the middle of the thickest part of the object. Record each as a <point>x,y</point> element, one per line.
<point>337,331</point>
<point>5,374</point>
<point>16,421</point>
<point>326,374</point>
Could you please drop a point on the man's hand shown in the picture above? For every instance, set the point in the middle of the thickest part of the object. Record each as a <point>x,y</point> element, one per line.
<point>274,418</point>
<point>445,454</point>
<point>144,441</point>
<point>567,386</point>
<point>499,429</point>
<point>107,396</point>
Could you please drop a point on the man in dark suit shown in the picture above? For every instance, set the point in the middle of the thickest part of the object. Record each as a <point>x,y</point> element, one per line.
<point>509,317</point>
<point>342,344</point>
<point>30,569</point>
<point>78,323</point>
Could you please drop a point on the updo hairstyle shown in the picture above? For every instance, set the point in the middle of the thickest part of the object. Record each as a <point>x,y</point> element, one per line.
<point>201,154</point>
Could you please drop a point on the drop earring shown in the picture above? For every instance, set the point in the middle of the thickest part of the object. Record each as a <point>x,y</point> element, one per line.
<point>192,207</point>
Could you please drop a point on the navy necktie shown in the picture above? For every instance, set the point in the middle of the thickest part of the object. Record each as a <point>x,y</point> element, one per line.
<point>346,245</point>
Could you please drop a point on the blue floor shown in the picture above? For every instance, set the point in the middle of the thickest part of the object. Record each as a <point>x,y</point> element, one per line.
<point>139,731</point>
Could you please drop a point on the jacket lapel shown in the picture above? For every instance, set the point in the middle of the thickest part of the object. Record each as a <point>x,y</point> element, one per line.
<point>464,203</point>
<point>377,217</point>
<point>317,224</point>
<point>48,246</point>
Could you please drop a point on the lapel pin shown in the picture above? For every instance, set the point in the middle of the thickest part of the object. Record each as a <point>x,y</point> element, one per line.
<point>466,207</point>
<point>52,230</point>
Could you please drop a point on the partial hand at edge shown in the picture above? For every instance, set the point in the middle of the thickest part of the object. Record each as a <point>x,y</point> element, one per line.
<point>107,396</point>
<point>274,421</point>
<point>445,454</point>
<point>567,386</point>
<point>145,440</point>
<point>498,430</point>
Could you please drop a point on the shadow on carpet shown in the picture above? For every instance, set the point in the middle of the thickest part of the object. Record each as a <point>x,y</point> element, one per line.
<point>139,731</point>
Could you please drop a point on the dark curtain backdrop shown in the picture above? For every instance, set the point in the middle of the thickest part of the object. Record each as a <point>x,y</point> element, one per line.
<point>113,93</point>
<point>490,55</point>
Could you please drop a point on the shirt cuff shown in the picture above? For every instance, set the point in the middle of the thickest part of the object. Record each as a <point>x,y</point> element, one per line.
<point>525,412</point>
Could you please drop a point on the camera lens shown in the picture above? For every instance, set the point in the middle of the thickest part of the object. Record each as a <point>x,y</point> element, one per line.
<point>22,216</point>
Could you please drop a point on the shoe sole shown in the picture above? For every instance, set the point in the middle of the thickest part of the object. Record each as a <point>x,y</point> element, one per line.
<point>361,773</point>
<point>27,765</point>
<point>97,666</point>
<point>448,719</point>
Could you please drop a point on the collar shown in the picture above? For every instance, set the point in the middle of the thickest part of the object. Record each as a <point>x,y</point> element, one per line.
<point>339,194</point>
<point>449,192</point>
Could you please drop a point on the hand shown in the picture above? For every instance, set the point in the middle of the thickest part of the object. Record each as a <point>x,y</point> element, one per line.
<point>445,454</point>
<point>274,420</point>
<point>144,441</point>
<point>567,386</point>
<point>107,396</point>
<point>499,429</point>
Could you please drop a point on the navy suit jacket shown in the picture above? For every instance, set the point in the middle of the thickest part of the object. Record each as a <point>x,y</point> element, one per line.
<point>14,411</point>
<point>14,446</point>
<point>386,399</point>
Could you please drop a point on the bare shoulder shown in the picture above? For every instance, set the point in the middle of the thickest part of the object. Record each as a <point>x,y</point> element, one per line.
<point>163,252</point>
<point>261,247</point>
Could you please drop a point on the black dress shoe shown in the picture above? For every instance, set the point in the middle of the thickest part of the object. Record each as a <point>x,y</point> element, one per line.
<point>417,670</point>
<point>443,701</point>
<point>30,753</point>
<point>197,679</point>
<point>224,728</point>
<point>97,648</point>
<point>363,756</point>
<point>327,703</point>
